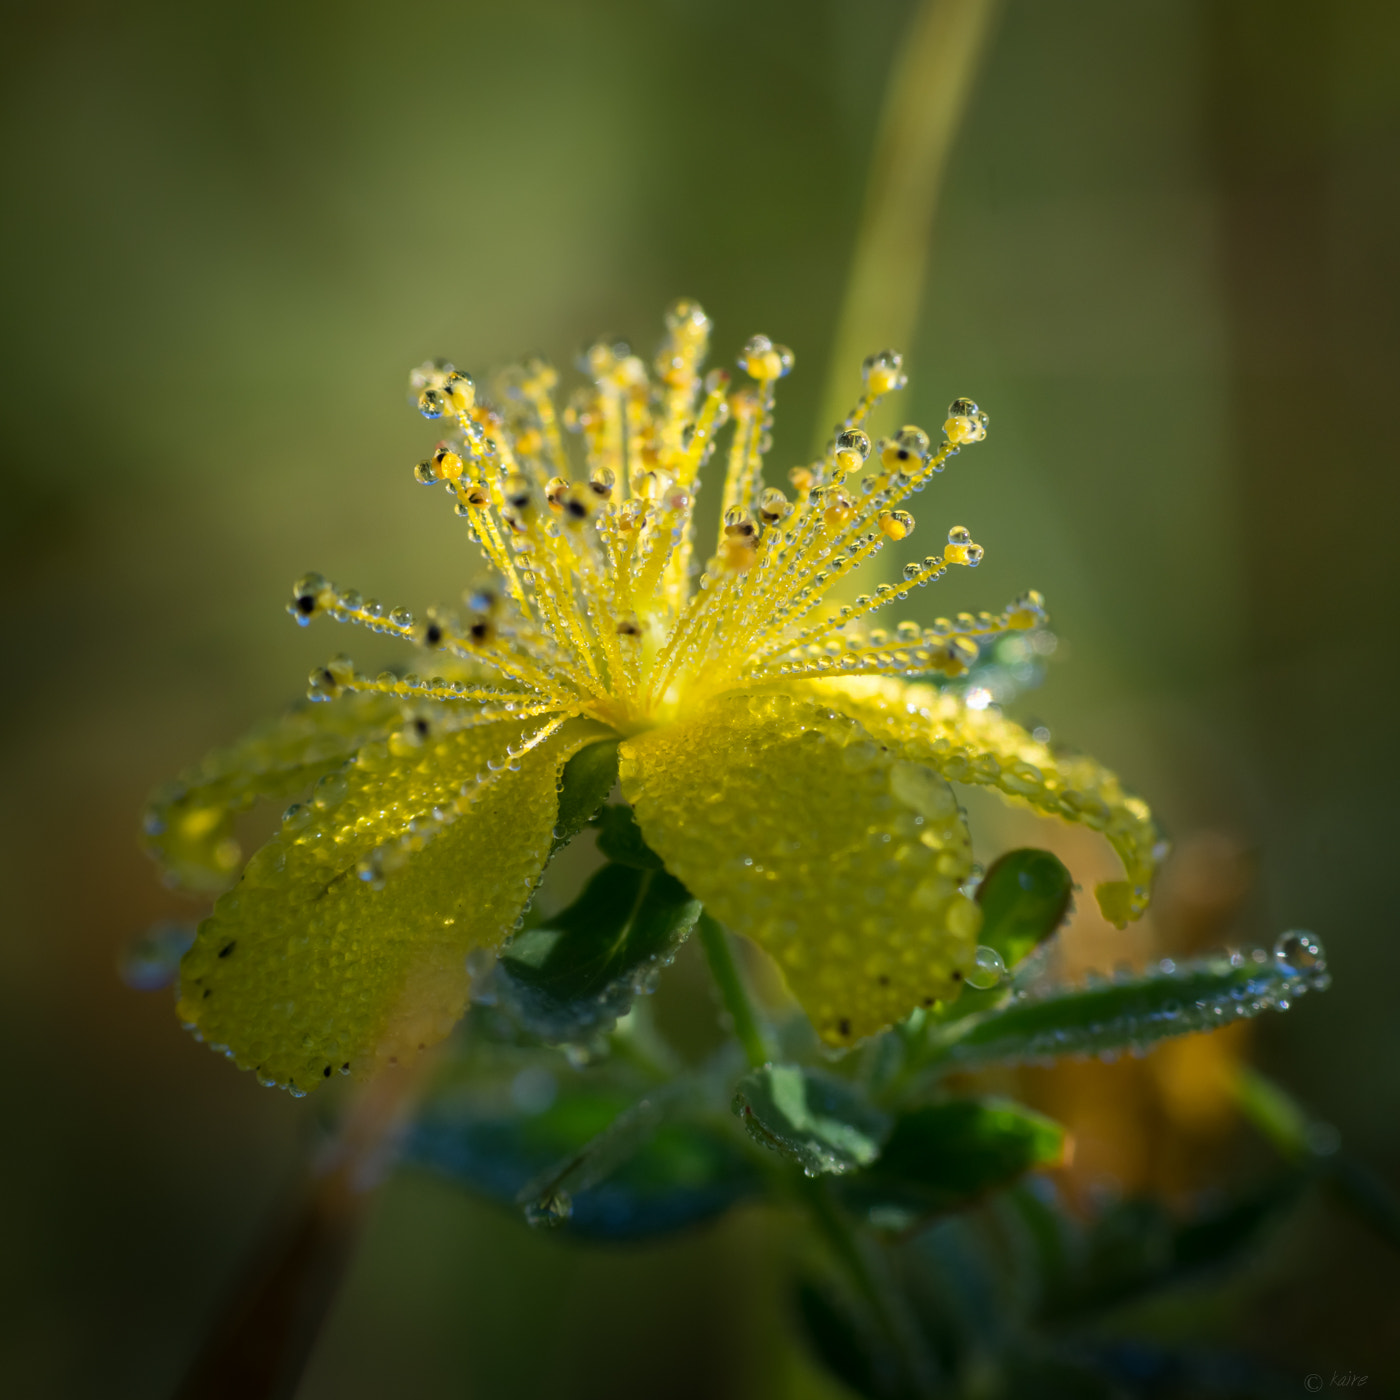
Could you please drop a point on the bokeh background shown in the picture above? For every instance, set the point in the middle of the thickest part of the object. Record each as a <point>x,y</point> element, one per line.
<point>1164,261</point>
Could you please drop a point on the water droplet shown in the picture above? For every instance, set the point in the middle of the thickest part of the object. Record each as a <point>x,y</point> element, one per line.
<point>883,372</point>
<point>1299,951</point>
<point>550,1210</point>
<point>987,970</point>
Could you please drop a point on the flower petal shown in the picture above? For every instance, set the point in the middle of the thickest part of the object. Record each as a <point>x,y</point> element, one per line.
<point>189,823</point>
<point>836,855</point>
<point>307,967</point>
<point>984,747</point>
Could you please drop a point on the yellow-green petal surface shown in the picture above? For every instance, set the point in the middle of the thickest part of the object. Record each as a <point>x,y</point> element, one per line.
<point>834,853</point>
<point>984,747</point>
<point>189,824</point>
<point>305,969</point>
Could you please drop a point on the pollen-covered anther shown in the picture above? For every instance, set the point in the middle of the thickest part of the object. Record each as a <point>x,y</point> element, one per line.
<point>883,372</point>
<point>311,594</point>
<point>578,504</point>
<point>431,632</point>
<point>954,657</point>
<point>329,681</point>
<point>480,632</point>
<point>764,360</point>
<point>739,546</point>
<point>806,478</point>
<point>629,627</point>
<point>851,450</point>
<point>1027,611</point>
<point>906,452</point>
<point>838,509</point>
<point>965,423</point>
<point>773,506</point>
<point>517,493</point>
<point>447,464</point>
<point>895,524</point>
<point>484,598</point>
<point>529,442</point>
<point>962,549</point>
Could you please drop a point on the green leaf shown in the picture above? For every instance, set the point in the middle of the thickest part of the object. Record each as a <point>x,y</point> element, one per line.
<point>576,973</point>
<point>612,1170</point>
<point>1198,996</point>
<point>943,1157</point>
<point>1137,1247</point>
<point>587,780</point>
<point>821,1123</point>
<point>1024,899</point>
<point>620,838</point>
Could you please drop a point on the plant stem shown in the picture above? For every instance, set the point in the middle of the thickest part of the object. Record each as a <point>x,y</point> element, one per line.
<point>926,96</point>
<point>262,1339</point>
<point>733,993</point>
<point>891,1321</point>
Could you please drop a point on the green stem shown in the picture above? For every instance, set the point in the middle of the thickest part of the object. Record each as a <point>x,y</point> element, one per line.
<point>895,1328</point>
<point>733,993</point>
<point>929,86</point>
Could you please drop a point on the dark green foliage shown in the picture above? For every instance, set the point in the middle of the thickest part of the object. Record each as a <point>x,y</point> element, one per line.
<point>576,973</point>
<point>670,1174</point>
<point>620,838</point>
<point>1024,897</point>
<point>821,1123</point>
<point>1127,1015</point>
<point>587,780</point>
<point>974,1280</point>
<point>945,1156</point>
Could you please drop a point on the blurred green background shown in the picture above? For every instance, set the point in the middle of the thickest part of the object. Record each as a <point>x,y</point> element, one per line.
<point>1165,262</point>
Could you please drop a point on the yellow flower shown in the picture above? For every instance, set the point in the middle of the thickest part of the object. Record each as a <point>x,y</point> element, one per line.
<point>780,753</point>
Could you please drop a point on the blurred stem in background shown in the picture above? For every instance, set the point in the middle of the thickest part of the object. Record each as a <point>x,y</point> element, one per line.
<point>925,98</point>
<point>259,1344</point>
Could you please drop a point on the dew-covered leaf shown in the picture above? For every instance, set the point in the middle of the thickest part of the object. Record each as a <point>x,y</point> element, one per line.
<point>942,1157</point>
<point>620,838</point>
<point>1133,1014</point>
<point>574,974</point>
<point>648,1176</point>
<point>1024,898</point>
<point>587,780</point>
<point>822,1123</point>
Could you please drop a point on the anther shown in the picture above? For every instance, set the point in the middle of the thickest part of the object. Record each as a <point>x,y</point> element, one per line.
<point>896,524</point>
<point>883,372</point>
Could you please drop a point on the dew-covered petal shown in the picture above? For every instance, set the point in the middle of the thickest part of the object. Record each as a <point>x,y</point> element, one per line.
<point>984,747</point>
<point>344,945</point>
<point>829,849</point>
<point>189,823</point>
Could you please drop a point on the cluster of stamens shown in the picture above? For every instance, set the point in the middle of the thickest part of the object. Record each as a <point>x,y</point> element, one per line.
<point>598,603</point>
